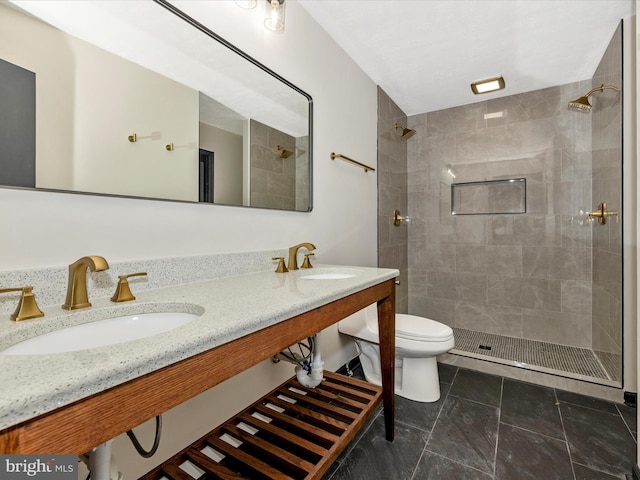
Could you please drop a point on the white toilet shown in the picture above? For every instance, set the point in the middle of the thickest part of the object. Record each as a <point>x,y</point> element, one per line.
<point>418,341</point>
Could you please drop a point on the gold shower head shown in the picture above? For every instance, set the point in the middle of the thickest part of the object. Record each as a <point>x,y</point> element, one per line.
<point>406,132</point>
<point>283,152</point>
<point>582,104</point>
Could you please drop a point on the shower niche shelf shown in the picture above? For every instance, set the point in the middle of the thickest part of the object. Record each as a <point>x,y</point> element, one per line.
<point>490,197</point>
<point>292,433</point>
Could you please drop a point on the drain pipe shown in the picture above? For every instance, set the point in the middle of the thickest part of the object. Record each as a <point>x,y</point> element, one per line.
<point>313,378</point>
<point>100,465</point>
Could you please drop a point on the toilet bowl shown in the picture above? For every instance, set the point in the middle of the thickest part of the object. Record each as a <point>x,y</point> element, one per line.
<point>418,341</point>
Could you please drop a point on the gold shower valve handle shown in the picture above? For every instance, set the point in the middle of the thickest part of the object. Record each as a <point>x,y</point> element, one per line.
<point>27,307</point>
<point>601,214</point>
<point>123,292</point>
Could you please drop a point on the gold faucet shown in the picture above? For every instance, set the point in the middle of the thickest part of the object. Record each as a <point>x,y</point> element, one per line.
<point>77,288</point>
<point>293,254</point>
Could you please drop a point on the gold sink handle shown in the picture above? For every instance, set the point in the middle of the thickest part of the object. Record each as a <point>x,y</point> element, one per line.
<point>27,307</point>
<point>123,292</point>
<point>281,268</point>
<point>601,214</point>
<point>306,263</point>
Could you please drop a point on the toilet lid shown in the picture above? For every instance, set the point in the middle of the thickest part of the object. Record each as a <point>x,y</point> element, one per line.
<point>412,327</point>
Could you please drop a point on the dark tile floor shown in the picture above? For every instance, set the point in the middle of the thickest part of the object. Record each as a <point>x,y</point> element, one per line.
<point>486,427</point>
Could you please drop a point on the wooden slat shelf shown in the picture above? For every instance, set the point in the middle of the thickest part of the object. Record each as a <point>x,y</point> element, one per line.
<point>292,433</point>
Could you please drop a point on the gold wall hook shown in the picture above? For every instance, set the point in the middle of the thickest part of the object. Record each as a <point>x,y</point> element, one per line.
<point>169,146</point>
<point>398,219</point>
<point>132,138</point>
<point>281,266</point>
<point>123,292</point>
<point>601,214</point>
<point>27,306</point>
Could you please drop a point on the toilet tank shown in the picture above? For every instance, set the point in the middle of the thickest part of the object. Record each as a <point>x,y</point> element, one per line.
<point>363,324</point>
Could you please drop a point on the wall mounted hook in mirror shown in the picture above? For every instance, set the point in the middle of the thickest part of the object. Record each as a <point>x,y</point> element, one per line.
<point>398,218</point>
<point>133,138</point>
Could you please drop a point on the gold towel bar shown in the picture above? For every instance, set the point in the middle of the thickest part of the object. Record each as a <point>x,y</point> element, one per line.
<point>339,155</point>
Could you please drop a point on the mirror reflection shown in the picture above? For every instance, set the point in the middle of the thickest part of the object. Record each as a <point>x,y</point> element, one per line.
<point>103,103</point>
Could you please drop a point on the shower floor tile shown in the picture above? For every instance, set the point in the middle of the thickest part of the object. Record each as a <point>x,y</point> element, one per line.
<point>531,354</point>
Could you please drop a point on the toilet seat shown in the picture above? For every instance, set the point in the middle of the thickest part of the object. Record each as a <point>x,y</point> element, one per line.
<point>408,327</point>
<point>412,327</point>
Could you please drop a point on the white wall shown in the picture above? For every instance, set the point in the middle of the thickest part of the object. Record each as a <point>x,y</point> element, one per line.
<point>48,229</point>
<point>85,111</point>
<point>228,163</point>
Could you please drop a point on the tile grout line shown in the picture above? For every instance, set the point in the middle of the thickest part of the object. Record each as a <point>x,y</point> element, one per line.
<point>495,453</point>
<point>564,432</point>
<point>626,424</point>
<point>415,470</point>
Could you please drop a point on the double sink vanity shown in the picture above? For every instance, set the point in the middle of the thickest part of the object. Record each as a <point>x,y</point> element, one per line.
<point>52,402</point>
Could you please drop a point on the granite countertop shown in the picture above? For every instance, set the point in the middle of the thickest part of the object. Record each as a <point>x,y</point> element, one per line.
<point>228,309</point>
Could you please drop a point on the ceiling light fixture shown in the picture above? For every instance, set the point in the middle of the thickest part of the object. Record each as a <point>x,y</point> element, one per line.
<point>274,19</point>
<point>488,85</point>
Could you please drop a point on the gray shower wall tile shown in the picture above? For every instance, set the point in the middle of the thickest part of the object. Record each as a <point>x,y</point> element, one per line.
<point>576,296</point>
<point>539,198</point>
<point>569,196</point>
<point>556,262</point>
<point>537,293</point>
<point>489,259</point>
<point>489,318</point>
<point>576,232</point>
<point>436,258</point>
<point>576,165</point>
<point>469,229</point>
<point>524,230</point>
<point>507,141</point>
<point>474,146</point>
<point>570,263</point>
<point>438,309</point>
<point>457,119</point>
<point>543,134</point>
<point>557,327</point>
<point>457,286</point>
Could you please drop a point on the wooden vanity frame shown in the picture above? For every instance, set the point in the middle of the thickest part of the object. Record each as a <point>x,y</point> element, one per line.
<point>80,426</point>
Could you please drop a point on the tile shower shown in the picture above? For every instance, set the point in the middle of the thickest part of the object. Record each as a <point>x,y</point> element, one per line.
<point>525,285</point>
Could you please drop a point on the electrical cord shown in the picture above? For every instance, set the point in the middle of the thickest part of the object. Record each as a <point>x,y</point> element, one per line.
<point>143,453</point>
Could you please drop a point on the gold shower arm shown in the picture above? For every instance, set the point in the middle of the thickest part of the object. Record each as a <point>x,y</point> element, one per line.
<point>344,157</point>
<point>602,88</point>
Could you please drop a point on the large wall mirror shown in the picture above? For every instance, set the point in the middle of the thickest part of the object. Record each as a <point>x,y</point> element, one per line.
<point>137,99</point>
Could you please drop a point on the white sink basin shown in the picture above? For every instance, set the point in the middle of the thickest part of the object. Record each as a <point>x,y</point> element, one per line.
<point>328,276</point>
<point>100,333</point>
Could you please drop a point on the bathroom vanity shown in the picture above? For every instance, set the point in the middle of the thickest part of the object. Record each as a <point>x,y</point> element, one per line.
<point>54,403</point>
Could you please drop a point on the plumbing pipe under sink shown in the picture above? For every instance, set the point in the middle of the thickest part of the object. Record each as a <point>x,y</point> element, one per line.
<point>101,465</point>
<point>312,380</point>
